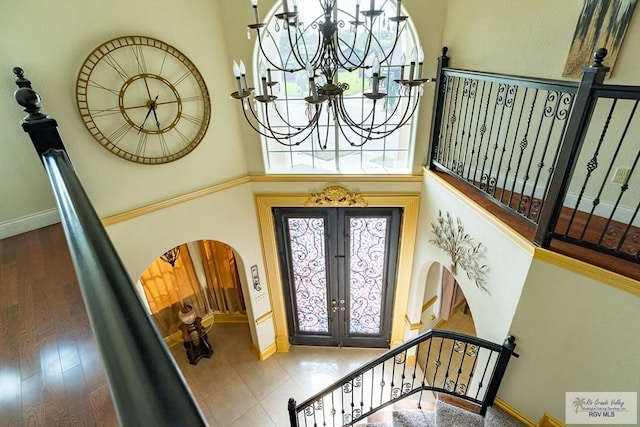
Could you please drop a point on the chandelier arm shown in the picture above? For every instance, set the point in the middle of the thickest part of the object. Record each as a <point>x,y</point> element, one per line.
<point>268,59</point>
<point>406,116</point>
<point>271,134</point>
<point>353,144</point>
<point>399,32</point>
<point>345,62</point>
<point>294,43</point>
<point>309,127</point>
<point>344,113</point>
<point>326,134</point>
<point>367,132</point>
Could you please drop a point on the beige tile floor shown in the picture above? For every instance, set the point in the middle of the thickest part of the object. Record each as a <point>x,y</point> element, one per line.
<point>234,388</point>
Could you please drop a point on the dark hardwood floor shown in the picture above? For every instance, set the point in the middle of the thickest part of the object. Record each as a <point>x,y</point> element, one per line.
<point>50,369</point>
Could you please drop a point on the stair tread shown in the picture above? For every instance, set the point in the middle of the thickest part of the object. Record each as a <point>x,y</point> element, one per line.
<point>450,415</point>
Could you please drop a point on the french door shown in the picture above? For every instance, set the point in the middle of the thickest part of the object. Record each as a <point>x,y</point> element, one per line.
<point>338,269</point>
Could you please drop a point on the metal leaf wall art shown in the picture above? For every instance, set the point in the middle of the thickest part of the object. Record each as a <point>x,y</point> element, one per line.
<point>462,248</point>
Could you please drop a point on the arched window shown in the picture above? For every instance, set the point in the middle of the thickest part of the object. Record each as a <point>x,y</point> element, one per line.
<point>391,154</point>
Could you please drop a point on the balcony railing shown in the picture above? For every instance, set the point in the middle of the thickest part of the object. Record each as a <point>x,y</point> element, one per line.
<point>561,154</point>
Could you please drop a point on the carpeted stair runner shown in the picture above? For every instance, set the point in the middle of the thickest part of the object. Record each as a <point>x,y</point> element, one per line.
<point>447,415</point>
<point>496,417</point>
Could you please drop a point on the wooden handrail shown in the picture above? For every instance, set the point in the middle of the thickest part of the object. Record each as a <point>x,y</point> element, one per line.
<point>145,384</point>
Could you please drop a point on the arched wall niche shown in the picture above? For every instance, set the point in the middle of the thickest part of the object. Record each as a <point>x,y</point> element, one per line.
<point>222,304</point>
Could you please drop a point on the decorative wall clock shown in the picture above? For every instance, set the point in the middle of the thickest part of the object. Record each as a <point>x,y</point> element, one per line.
<point>143,100</point>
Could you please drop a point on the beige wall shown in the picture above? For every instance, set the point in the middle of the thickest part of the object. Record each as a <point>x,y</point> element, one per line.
<point>50,40</point>
<point>529,38</point>
<point>573,334</point>
<point>493,310</point>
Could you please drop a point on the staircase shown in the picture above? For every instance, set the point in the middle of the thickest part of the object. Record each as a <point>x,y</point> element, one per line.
<point>401,383</point>
<point>439,414</point>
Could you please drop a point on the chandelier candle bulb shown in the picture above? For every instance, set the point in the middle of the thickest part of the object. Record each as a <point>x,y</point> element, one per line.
<point>236,72</point>
<point>376,74</point>
<point>254,3</point>
<point>312,86</point>
<point>420,63</point>
<point>243,74</point>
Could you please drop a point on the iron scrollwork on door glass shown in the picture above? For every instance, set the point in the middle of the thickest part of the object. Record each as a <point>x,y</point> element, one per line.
<point>368,242</point>
<point>306,237</point>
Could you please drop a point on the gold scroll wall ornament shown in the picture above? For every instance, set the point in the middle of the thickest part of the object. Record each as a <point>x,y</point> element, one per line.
<point>336,196</point>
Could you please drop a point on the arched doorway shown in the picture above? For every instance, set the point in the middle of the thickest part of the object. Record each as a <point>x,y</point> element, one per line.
<point>453,310</point>
<point>202,274</point>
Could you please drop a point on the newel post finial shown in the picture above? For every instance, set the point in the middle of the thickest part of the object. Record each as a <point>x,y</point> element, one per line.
<point>598,57</point>
<point>27,97</point>
<point>445,49</point>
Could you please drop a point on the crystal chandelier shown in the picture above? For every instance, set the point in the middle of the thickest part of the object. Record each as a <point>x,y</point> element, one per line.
<point>355,45</point>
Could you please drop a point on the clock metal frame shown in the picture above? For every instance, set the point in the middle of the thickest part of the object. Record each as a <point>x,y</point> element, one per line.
<point>143,100</point>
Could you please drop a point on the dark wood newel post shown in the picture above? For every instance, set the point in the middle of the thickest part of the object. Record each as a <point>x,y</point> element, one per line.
<point>293,416</point>
<point>145,384</point>
<point>507,351</point>
<point>583,106</point>
<point>436,114</point>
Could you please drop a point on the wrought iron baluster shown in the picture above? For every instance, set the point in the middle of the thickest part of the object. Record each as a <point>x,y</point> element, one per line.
<point>515,89</point>
<point>472,370</point>
<point>353,405</point>
<point>472,96</point>
<point>563,116</point>
<point>438,362</point>
<point>483,131</point>
<point>592,165</point>
<point>404,370</point>
<point>457,164</point>
<point>382,384</point>
<point>415,367</point>
<point>484,373</point>
<point>632,250</point>
<point>451,145</point>
<point>513,145</point>
<point>447,381</point>
<point>393,378</point>
<point>524,143</point>
<point>624,186</point>
<point>362,396</point>
<point>444,137</point>
<point>475,133</point>
<point>333,409</point>
<point>484,177</point>
<point>506,103</point>
<point>424,373</point>
<point>464,353</point>
<point>344,414</point>
<point>525,201</point>
<point>540,165</point>
<point>373,382</point>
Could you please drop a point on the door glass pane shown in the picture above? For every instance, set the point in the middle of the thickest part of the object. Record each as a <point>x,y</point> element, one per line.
<point>306,239</point>
<point>367,255</point>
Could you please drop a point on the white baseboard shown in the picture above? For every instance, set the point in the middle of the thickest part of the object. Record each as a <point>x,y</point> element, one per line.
<point>28,223</point>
